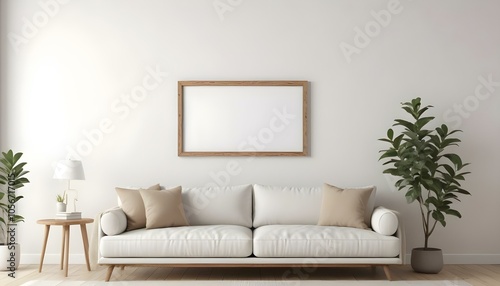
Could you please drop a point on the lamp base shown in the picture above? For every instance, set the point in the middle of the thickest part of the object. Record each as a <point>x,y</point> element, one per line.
<point>71,198</point>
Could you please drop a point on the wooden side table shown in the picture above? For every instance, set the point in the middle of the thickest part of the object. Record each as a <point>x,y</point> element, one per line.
<point>65,239</point>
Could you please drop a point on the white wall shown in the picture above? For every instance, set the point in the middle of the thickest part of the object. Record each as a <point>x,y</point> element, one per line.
<point>65,75</point>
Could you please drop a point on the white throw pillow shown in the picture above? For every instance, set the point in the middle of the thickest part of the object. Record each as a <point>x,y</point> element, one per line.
<point>113,221</point>
<point>286,205</point>
<point>226,205</point>
<point>384,221</point>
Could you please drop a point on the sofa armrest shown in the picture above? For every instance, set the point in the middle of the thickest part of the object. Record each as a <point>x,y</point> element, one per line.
<point>385,218</point>
<point>384,221</point>
<point>110,222</point>
<point>113,221</point>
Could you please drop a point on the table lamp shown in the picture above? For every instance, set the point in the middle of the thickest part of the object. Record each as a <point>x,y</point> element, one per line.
<point>69,170</point>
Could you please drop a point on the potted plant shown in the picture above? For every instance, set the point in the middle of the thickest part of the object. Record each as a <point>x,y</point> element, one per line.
<point>11,179</point>
<point>430,174</point>
<point>60,205</point>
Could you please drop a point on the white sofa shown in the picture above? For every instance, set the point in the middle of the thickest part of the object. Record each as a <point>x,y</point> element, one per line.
<point>253,226</point>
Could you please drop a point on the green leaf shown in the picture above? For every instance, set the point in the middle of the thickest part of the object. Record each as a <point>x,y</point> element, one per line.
<point>423,110</point>
<point>9,156</point>
<point>449,169</point>
<point>385,140</point>
<point>390,133</point>
<point>464,165</point>
<point>462,175</point>
<point>423,121</point>
<point>19,166</point>
<point>434,201</point>
<point>454,131</point>
<point>462,191</point>
<point>408,103</point>
<point>440,131</point>
<point>16,158</point>
<point>412,135</point>
<point>410,111</point>
<point>391,171</point>
<point>453,213</point>
<point>450,142</point>
<point>437,215</point>
<point>412,195</point>
<point>389,153</point>
<point>23,173</point>
<point>416,102</point>
<point>444,127</point>
<point>455,159</point>
<point>405,123</point>
<point>450,196</point>
<point>22,180</point>
<point>397,141</point>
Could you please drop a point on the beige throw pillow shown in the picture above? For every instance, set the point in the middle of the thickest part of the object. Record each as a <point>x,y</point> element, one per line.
<point>344,207</point>
<point>164,208</point>
<point>133,206</point>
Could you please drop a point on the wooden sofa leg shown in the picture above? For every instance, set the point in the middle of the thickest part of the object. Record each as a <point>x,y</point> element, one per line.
<point>110,271</point>
<point>387,272</point>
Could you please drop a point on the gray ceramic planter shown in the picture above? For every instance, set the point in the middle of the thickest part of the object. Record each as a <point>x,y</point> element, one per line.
<point>427,260</point>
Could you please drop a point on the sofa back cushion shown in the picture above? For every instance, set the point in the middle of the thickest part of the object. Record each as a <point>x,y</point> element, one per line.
<point>286,205</point>
<point>211,206</point>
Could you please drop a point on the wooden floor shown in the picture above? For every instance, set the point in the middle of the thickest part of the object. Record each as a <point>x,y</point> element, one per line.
<point>473,274</point>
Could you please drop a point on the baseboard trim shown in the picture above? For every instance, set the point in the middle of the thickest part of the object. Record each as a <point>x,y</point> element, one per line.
<point>51,259</point>
<point>466,258</point>
<point>448,258</point>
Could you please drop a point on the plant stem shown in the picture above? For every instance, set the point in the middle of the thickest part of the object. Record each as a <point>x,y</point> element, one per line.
<point>433,227</point>
<point>424,221</point>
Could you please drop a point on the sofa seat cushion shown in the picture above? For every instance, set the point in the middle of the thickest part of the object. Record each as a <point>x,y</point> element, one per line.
<point>322,241</point>
<point>184,241</point>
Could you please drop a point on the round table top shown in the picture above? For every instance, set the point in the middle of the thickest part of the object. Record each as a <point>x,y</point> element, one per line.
<point>53,221</point>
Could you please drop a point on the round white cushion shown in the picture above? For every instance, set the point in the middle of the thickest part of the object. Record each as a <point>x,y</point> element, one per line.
<point>384,221</point>
<point>113,222</point>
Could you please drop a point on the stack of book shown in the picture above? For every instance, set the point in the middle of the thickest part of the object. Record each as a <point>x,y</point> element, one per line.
<point>69,215</point>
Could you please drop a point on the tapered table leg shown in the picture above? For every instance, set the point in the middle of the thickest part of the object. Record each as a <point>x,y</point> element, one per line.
<point>66,250</point>
<point>85,240</point>
<point>46,237</point>
<point>62,248</point>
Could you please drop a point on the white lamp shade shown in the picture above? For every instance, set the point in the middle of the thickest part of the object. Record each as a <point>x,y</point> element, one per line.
<point>69,170</point>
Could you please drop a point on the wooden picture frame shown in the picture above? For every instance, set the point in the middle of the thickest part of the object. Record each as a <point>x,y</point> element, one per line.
<point>242,118</point>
